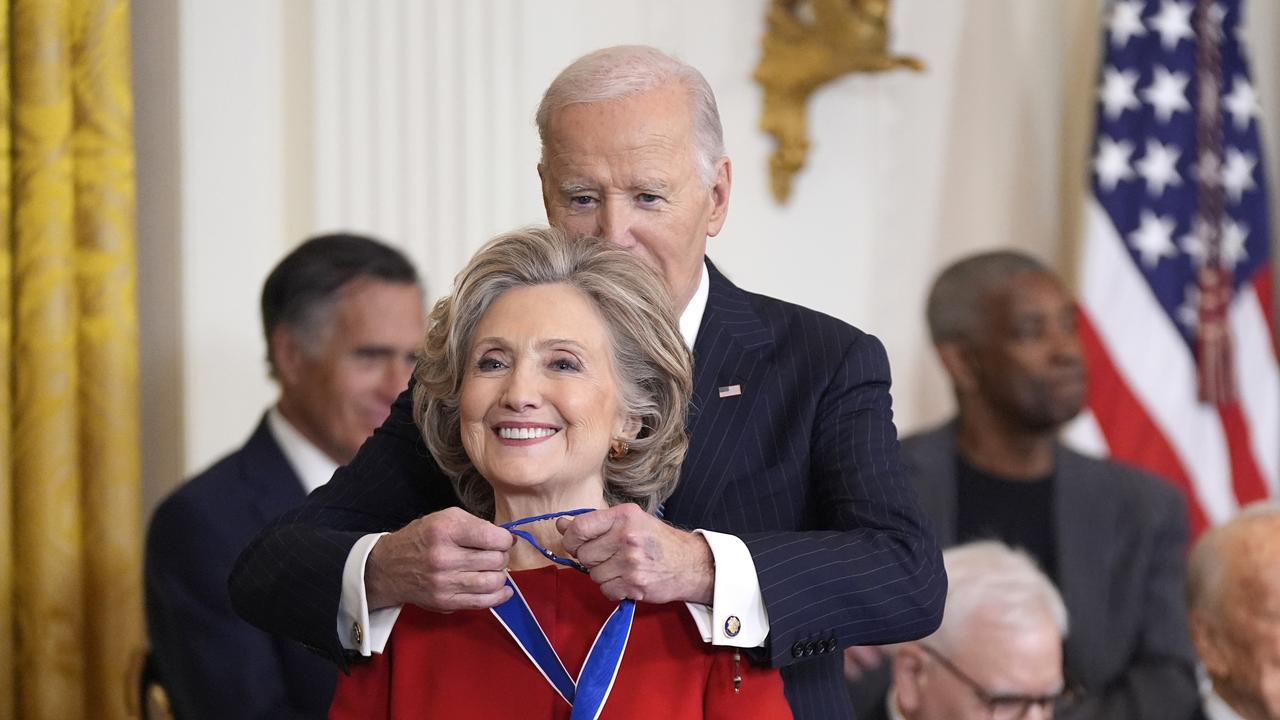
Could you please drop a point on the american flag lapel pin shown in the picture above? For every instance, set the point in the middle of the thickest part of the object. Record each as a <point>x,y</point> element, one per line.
<point>730,391</point>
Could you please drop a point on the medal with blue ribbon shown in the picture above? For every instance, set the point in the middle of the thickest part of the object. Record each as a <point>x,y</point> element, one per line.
<point>588,694</point>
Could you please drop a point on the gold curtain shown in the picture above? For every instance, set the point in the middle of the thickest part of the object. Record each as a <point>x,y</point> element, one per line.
<point>70,499</point>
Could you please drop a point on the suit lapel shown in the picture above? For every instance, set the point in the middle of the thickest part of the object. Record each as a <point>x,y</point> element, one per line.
<point>729,351</point>
<point>1084,530</point>
<point>268,477</point>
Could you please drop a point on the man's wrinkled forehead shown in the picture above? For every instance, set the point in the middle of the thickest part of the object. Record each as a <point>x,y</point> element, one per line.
<point>615,133</point>
<point>651,163</point>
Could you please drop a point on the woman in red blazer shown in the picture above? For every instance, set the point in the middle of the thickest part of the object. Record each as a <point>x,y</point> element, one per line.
<point>553,382</point>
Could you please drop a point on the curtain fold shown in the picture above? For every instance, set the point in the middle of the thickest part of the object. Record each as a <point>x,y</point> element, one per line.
<point>71,575</point>
<point>8,638</point>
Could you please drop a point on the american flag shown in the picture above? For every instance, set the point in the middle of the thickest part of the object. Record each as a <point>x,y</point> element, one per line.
<point>1175,281</point>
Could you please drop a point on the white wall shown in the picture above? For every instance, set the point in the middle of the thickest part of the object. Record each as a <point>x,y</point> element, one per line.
<point>260,122</point>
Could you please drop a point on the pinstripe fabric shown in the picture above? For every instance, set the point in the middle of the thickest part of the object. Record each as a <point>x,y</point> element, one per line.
<point>803,466</point>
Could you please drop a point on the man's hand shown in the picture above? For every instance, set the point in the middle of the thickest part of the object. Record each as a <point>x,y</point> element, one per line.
<point>632,554</point>
<point>448,560</point>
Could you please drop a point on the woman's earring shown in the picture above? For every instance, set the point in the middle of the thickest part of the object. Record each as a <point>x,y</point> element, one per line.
<point>619,448</point>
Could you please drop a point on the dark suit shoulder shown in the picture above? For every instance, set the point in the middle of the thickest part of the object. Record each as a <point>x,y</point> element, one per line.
<point>215,478</point>
<point>930,454</point>
<point>788,318</point>
<point>213,487</point>
<point>1133,488</point>
<point>192,540</point>
<point>199,521</point>
<point>227,502</point>
<point>827,354</point>
<point>1124,483</point>
<point>927,440</point>
<point>757,318</point>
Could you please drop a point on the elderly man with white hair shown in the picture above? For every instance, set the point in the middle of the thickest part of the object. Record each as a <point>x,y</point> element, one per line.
<point>998,653</point>
<point>1233,596</point>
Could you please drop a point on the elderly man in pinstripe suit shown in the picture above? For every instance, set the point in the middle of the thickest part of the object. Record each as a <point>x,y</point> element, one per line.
<point>793,533</point>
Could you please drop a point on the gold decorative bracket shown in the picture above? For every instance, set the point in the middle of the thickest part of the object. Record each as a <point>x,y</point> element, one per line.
<point>807,44</point>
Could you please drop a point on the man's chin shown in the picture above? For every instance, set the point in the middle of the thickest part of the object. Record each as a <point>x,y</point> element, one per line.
<point>1069,413</point>
<point>1062,409</point>
<point>1051,419</point>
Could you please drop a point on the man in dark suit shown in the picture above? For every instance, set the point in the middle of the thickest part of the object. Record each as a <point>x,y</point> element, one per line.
<point>1112,538</point>
<point>343,319</point>
<point>1233,596</point>
<point>793,462</point>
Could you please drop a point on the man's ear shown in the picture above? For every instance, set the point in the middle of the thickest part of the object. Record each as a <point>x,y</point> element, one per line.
<point>720,188</point>
<point>542,182</point>
<point>287,355</point>
<point>957,360</point>
<point>909,678</point>
<point>1208,643</point>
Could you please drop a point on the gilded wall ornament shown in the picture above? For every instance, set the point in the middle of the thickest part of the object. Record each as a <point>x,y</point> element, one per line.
<point>807,44</point>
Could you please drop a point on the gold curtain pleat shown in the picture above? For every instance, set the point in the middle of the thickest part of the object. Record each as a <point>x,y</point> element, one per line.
<point>49,539</point>
<point>75,481</point>
<point>8,637</point>
<point>108,342</point>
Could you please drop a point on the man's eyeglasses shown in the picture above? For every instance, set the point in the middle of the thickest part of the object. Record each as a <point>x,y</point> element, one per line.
<point>1007,707</point>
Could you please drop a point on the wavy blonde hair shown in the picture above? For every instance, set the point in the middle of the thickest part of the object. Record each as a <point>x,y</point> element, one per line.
<point>652,366</point>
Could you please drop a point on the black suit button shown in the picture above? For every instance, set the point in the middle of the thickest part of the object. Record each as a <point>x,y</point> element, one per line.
<point>832,645</point>
<point>797,650</point>
<point>810,648</point>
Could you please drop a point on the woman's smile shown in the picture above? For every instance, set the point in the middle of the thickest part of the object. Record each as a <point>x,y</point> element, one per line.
<point>515,434</point>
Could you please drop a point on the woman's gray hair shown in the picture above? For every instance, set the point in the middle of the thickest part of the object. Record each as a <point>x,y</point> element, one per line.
<point>618,72</point>
<point>1000,584</point>
<point>652,366</point>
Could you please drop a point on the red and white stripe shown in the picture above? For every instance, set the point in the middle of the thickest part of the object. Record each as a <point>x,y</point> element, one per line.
<point>1143,406</point>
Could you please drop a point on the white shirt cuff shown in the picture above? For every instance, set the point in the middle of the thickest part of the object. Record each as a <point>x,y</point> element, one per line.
<point>737,616</point>
<point>358,629</point>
